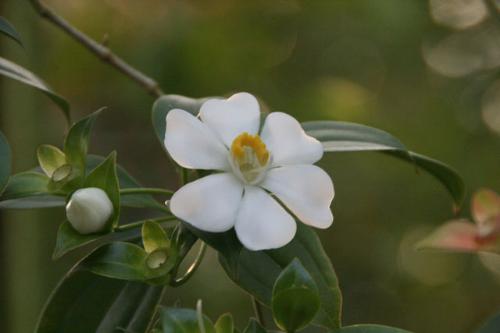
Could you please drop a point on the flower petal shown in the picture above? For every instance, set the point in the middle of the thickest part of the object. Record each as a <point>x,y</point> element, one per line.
<point>262,223</point>
<point>485,206</point>
<point>457,235</point>
<point>306,190</point>
<point>230,117</point>
<point>192,144</point>
<point>209,203</point>
<point>288,142</point>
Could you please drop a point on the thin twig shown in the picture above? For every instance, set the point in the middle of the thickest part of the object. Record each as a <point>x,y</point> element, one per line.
<point>145,190</point>
<point>140,223</point>
<point>101,51</point>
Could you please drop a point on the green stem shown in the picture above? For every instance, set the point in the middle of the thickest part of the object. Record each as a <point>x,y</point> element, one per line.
<point>185,176</point>
<point>192,269</point>
<point>145,190</point>
<point>140,223</point>
<point>259,312</point>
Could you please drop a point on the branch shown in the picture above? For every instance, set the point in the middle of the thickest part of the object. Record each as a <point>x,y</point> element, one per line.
<point>101,51</point>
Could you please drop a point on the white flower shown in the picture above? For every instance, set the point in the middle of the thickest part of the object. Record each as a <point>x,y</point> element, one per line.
<point>252,169</point>
<point>88,210</point>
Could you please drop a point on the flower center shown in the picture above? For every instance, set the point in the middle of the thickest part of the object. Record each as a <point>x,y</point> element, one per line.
<point>249,157</point>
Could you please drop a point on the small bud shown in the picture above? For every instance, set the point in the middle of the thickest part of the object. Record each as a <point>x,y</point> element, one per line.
<point>88,210</point>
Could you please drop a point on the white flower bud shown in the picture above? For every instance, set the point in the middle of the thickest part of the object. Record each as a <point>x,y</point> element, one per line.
<point>89,209</point>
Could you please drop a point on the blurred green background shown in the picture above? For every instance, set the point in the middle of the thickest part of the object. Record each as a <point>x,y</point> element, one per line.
<point>426,71</point>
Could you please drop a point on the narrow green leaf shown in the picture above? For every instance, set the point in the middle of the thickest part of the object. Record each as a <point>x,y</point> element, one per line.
<point>154,237</point>
<point>224,324</point>
<point>254,327</point>
<point>119,260</point>
<point>369,328</point>
<point>295,299</point>
<point>50,158</point>
<point>256,271</point>
<point>77,142</point>
<point>5,161</point>
<point>31,190</point>
<point>20,74</point>
<point>127,181</point>
<point>8,30</point>
<point>175,320</point>
<point>68,239</point>
<point>25,184</point>
<point>84,302</point>
<point>338,136</point>
<point>164,104</point>
<point>104,176</point>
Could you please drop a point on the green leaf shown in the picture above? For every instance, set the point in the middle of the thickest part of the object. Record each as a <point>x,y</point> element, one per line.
<point>8,30</point>
<point>20,74</point>
<point>154,237</point>
<point>254,327</point>
<point>164,104</point>
<point>295,299</point>
<point>68,239</point>
<point>84,302</point>
<point>104,176</point>
<point>119,260</point>
<point>31,190</point>
<point>127,181</point>
<point>224,324</point>
<point>27,190</point>
<point>5,161</point>
<point>369,328</point>
<point>77,142</point>
<point>50,158</point>
<point>338,136</point>
<point>256,272</point>
<point>183,321</point>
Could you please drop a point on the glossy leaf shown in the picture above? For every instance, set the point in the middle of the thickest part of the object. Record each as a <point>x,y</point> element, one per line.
<point>254,327</point>
<point>50,159</point>
<point>127,181</point>
<point>104,176</point>
<point>119,260</point>
<point>77,142</point>
<point>30,190</point>
<point>5,161</point>
<point>68,239</point>
<point>295,299</point>
<point>154,237</point>
<point>20,74</point>
<point>369,328</point>
<point>256,272</point>
<point>8,30</point>
<point>224,324</point>
<point>165,104</point>
<point>27,190</point>
<point>175,320</point>
<point>348,137</point>
<point>107,305</point>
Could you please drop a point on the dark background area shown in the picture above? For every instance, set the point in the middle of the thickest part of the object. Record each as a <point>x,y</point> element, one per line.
<point>425,71</point>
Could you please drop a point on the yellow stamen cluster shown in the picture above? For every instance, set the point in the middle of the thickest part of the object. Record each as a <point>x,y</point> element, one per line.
<point>246,147</point>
